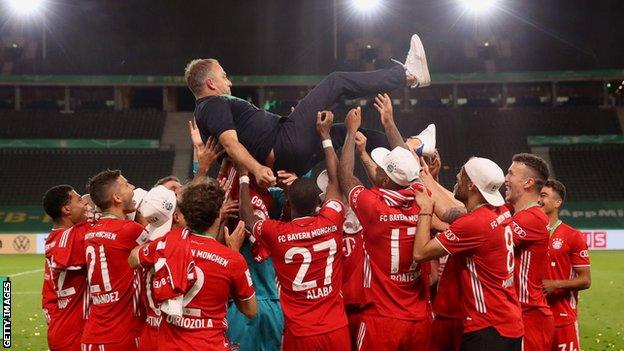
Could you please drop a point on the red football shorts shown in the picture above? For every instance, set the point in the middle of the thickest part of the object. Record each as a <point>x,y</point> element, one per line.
<point>538,331</point>
<point>390,334</point>
<point>446,334</point>
<point>566,338</point>
<point>333,340</point>
<point>149,338</point>
<point>130,343</point>
<point>75,345</point>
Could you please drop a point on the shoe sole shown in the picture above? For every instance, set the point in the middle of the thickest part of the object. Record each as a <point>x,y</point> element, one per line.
<point>424,70</point>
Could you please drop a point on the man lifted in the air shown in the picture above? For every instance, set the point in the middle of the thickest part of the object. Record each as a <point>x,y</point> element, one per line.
<point>262,141</point>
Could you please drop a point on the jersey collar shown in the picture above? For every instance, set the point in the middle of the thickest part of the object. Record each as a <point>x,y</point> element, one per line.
<point>552,228</point>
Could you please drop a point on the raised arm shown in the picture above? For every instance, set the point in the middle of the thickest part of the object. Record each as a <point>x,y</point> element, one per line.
<point>425,248</point>
<point>383,104</point>
<point>324,120</point>
<point>347,180</point>
<point>263,174</point>
<point>369,165</point>
<point>447,208</point>
<point>204,155</point>
<point>244,205</point>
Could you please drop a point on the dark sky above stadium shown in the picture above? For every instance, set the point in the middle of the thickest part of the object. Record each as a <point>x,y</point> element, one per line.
<point>296,36</point>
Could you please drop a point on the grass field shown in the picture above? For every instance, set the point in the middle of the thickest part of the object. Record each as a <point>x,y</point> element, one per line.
<point>601,307</point>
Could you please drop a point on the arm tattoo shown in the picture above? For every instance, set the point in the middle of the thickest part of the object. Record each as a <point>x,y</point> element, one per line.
<point>450,215</point>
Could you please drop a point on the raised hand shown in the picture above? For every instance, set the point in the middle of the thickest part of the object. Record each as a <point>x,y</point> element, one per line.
<point>264,176</point>
<point>207,154</point>
<point>195,134</point>
<point>435,164</point>
<point>285,179</point>
<point>229,210</point>
<point>236,240</point>
<point>360,143</point>
<point>354,120</point>
<point>324,121</point>
<point>383,104</point>
<point>424,201</point>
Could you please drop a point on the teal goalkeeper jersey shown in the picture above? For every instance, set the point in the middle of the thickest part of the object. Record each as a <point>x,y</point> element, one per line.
<point>262,275</point>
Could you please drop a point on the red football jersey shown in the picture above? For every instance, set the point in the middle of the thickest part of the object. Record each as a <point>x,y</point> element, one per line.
<point>531,253</point>
<point>65,287</point>
<point>448,291</point>
<point>308,259</point>
<point>152,309</point>
<point>114,287</point>
<point>482,240</point>
<point>220,273</point>
<point>397,286</point>
<point>261,201</point>
<point>567,249</point>
<point>353,269</point>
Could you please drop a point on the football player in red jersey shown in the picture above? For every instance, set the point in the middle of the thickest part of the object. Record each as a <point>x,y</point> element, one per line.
<point>480,245</point>
<point>398,317</point>
<point>158,207</point>
<point>569,269</point>
<point>353,268</point>
<point>65,303</point>
<point>523,182</point>
<point>114,321</point>
<point>307,256</point>
<point>218,273</point>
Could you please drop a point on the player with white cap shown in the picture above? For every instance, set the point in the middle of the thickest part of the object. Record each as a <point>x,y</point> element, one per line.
<point>397,287</point>
<point>158,207</point>
<point>481,244</point>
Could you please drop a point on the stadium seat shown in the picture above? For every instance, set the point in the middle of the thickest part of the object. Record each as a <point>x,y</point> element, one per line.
<point>28,173</point>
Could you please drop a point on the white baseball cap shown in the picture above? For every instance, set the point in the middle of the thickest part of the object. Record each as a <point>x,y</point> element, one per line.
<point>399,164</point>
<point>322,181</point>
<point>157,208</point>
<point>137,197</point>
<point>488,178</point>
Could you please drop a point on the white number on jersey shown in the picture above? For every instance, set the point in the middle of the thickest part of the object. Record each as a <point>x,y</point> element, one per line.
<point>298,284</point>
<point>510,249</point>
<point>92,256</point>
<point>394,248</point>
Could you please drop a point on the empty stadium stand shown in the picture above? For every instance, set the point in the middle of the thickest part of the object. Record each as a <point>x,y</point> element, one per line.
<point>86,124</point>
<point>495,133</point>
<point>27,173</point>
<point>590,172</point>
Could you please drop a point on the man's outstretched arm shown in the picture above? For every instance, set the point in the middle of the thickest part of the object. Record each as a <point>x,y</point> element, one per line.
<point>263,174</point>
<point>347,159</point>
<point>383,104</point>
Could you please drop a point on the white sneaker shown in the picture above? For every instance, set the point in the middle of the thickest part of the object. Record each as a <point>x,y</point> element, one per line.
<point>416,63</point>
<point>428,139</point>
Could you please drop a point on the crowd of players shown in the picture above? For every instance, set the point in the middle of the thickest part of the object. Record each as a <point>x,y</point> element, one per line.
<point>317,264</point>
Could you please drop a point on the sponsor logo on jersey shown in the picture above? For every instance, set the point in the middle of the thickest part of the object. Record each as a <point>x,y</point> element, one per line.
<point>450,236</point>
<point>355,195</point>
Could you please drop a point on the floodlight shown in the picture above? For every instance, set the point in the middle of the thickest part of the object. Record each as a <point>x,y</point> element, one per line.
<point>366,6</point>
<point>25,7</point>
<point>478,6</point>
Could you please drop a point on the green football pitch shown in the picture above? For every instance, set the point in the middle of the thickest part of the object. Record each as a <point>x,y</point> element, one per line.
<point>601,307</point>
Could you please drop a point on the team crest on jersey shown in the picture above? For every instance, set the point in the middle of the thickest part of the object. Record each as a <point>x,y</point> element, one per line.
<point>584,253</point>
<point>557,244</point>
